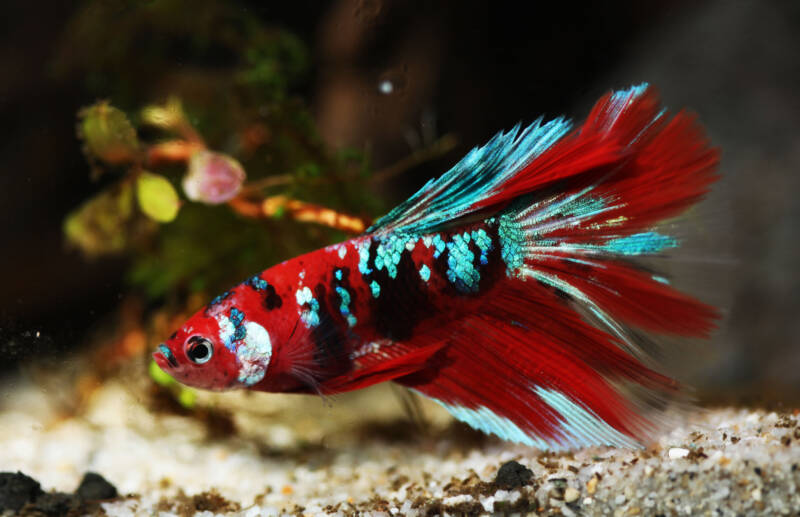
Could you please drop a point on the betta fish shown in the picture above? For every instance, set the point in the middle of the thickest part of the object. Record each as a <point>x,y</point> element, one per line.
<point>507,290</point>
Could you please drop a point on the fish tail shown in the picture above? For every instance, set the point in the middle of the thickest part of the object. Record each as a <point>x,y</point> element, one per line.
<point>581,235</point>
<point>556,357</point>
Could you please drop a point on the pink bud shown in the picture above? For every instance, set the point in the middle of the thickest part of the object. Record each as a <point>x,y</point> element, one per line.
<point>213,178</point>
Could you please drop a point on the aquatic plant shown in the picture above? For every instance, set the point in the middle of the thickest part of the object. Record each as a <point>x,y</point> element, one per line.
<point>217,172</point>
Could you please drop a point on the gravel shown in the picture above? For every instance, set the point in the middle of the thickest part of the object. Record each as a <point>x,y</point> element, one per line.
<point>295,455</point>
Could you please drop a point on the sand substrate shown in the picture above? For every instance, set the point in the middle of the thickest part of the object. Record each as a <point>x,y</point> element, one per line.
<point>359,454</point>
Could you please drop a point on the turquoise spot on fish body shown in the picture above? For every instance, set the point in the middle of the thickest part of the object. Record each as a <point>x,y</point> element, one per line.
<point>512,244</point>
<point>484,243</point>
<point>460,262</point>
<point>438,244</point>
<point>648,243</point>
<point>218,299</point>
<point>345,297</point>
<point>237,318</point>
<point>257,283</point>
<point>363,258</point>
<point>482,239</point>
<point>390,251</point>
<point>338,274</point>
<point>344,306</point>
<point>310,307</point>
<point>376,289</point>
<point>425,272</point>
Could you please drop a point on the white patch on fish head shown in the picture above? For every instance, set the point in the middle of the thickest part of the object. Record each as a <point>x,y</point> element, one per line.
<point>226,331</point>
<point>253,353</point>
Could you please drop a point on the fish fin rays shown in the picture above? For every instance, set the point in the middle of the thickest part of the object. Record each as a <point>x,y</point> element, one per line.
<point>528,369</point>
<point>374,368</point>
<point>482,172</point>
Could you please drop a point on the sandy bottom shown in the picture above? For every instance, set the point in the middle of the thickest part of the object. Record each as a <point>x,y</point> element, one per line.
<point>360,454</point>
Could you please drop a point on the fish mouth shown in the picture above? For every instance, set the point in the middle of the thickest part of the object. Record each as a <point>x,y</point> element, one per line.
<point>164,357</point>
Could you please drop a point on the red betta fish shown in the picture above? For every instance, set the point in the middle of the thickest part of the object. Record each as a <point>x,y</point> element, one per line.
<point>506,290</point>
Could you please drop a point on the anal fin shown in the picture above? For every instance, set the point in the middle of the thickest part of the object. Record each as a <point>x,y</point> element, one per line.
<point>528,369</point>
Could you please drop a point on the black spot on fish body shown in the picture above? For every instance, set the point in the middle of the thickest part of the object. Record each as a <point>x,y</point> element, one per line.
<point>495,268</point>
<point>330,342</point>
<point>403,301</point>
<point>271,298</point>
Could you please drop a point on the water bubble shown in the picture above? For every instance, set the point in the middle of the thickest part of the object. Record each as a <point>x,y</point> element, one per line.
<point>392,81</point>
<point>386,87</point>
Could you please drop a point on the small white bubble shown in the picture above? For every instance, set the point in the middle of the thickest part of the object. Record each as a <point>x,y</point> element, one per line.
<point>386,87</point>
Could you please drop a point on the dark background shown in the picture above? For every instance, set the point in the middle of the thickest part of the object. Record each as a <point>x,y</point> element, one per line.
<point>470,69</point>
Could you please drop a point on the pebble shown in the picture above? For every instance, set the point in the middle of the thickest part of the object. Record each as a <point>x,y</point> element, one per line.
<point>513,475</point>
<point>16,490</point>
<point>591,485</point>
<point>571,495</point>
<point>677,452</point>
<point>94,487</point>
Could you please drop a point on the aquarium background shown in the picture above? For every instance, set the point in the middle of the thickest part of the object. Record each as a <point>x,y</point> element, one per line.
<point>354,89</point>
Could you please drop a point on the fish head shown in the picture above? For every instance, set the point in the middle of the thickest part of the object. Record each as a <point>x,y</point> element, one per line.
<point>196,356</point>
<point>223,346</point>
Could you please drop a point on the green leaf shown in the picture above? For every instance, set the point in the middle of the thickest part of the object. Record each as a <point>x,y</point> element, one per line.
<point>106,223</point>
<point>157,197</point>
<point>159,376</point>
<point>108,133</point>
<point>187,397</point>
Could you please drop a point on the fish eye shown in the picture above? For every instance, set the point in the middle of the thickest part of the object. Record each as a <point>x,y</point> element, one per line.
<point>199,349</point>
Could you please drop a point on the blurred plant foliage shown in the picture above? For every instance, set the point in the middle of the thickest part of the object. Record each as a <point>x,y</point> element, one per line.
<point>184,181</point>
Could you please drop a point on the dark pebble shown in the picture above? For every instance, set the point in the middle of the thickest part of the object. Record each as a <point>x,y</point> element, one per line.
<point>16,490</point>
<point>94,487</point>
<point>56,504</point>
<point>513,475</point>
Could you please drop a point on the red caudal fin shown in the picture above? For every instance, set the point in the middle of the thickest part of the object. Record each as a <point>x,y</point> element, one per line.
<point>554,357</point>
<point>629,148</point>
<point>581,236</point>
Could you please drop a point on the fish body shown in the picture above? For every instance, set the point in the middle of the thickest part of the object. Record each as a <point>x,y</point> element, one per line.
<point>506,290</point>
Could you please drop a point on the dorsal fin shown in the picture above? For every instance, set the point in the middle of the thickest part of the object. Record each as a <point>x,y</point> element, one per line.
<point>520,161</point>
<point>475,177</point>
